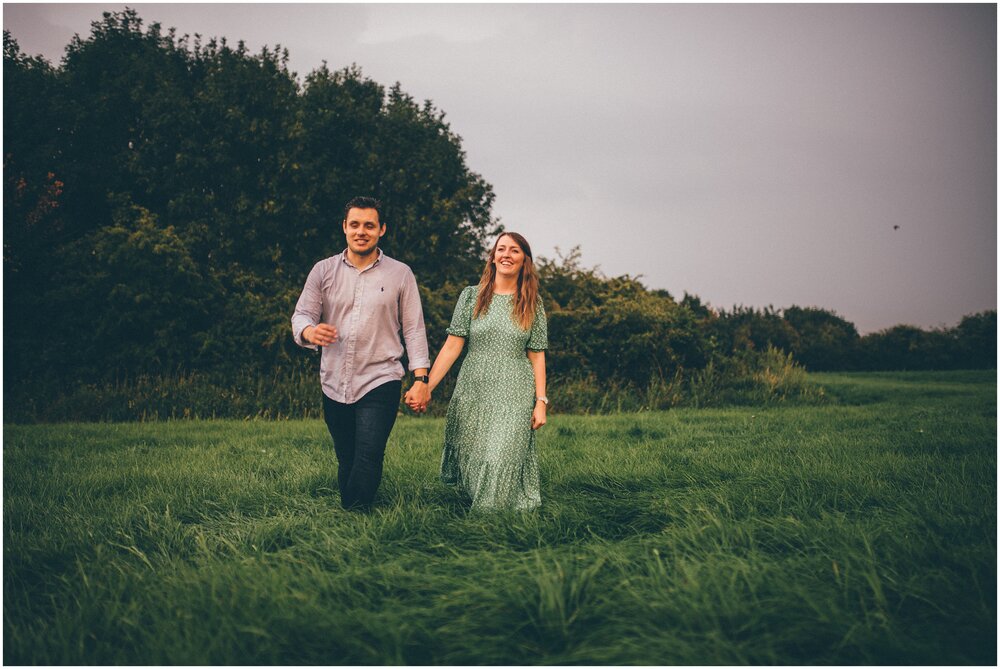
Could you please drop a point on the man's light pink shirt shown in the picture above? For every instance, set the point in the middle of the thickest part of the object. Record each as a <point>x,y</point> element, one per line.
<point>375,310</point>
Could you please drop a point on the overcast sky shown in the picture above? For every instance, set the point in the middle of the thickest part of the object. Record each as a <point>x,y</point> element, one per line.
<point>748,154</point>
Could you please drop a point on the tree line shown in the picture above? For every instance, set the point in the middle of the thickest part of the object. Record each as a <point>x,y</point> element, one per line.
<point>618,326</point>
<point>165,196</point>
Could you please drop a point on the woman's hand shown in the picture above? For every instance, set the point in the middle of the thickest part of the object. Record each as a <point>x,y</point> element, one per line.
<point>538,415</point>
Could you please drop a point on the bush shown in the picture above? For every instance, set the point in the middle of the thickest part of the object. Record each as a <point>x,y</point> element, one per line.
<point>905,347</point>
<point>764,378</point>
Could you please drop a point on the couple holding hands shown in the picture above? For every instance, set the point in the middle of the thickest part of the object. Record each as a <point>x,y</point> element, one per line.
<point>362,309</point>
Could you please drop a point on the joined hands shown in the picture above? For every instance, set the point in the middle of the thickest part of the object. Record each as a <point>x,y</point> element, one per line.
<point>418,397</point>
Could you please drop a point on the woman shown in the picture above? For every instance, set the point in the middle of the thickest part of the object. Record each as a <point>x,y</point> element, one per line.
<point>499,399</point>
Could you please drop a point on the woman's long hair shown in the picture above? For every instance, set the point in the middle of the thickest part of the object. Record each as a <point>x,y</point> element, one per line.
<point>526,295</point>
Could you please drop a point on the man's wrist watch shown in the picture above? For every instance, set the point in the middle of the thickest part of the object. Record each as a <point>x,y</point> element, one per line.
<point>542,399</point>
<point>425,378</point>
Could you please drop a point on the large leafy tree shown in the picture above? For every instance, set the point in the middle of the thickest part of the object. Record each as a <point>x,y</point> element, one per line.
<point>359,138</point>
<point>167,197</point>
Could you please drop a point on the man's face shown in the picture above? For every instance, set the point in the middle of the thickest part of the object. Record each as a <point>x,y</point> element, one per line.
<point>363,230</point>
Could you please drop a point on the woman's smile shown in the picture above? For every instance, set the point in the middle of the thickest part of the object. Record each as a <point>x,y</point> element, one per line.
<point>508,257</point>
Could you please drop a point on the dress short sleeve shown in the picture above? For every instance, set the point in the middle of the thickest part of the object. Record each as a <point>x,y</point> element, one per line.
<point>463,312</point>
<point>538,340</point>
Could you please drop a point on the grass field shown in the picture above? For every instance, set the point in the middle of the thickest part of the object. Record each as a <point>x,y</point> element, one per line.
<point>863,531</point>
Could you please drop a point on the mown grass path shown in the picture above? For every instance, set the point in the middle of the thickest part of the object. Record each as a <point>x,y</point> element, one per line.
<point>859,532</point>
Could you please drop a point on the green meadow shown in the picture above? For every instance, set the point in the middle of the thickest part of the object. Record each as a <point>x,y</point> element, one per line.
<point>862,531</point>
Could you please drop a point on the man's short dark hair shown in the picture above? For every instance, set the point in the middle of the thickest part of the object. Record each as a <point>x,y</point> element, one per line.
<point>364,202</point>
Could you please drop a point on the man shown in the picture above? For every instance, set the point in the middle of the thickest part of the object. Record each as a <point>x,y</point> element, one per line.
<point>354,306</point>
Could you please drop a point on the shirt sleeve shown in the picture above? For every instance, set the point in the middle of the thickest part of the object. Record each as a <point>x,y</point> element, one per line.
<point>538,340</point>
<point>463,313</point>
<point>309,308</point>
<point>412,320</point>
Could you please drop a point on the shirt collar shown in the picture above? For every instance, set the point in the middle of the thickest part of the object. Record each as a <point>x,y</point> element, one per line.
<point>378,259</point>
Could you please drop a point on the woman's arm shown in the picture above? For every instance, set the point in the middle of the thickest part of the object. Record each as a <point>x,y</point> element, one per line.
<point>537,359</point>
<point>445,359</point>
<point>417,397</point>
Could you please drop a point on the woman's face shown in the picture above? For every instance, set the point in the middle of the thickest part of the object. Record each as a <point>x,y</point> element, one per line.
<point>508,257</point>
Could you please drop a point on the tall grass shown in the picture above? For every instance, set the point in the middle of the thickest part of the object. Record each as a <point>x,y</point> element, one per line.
<point>762,378</point>
<point>861,532</point>
<point>767,377</point>
<point>286,393</point>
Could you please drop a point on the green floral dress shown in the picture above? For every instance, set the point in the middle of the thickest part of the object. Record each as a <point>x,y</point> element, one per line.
<point>489,446</point>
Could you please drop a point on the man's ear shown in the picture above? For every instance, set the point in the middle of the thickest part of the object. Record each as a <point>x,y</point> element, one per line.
<point>381,232</point>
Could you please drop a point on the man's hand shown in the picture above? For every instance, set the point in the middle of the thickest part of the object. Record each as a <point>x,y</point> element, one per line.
<point>417,397</point>
<point>320,335</point>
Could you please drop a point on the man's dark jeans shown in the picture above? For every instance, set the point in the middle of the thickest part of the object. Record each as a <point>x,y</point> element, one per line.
<point>360,432</point>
